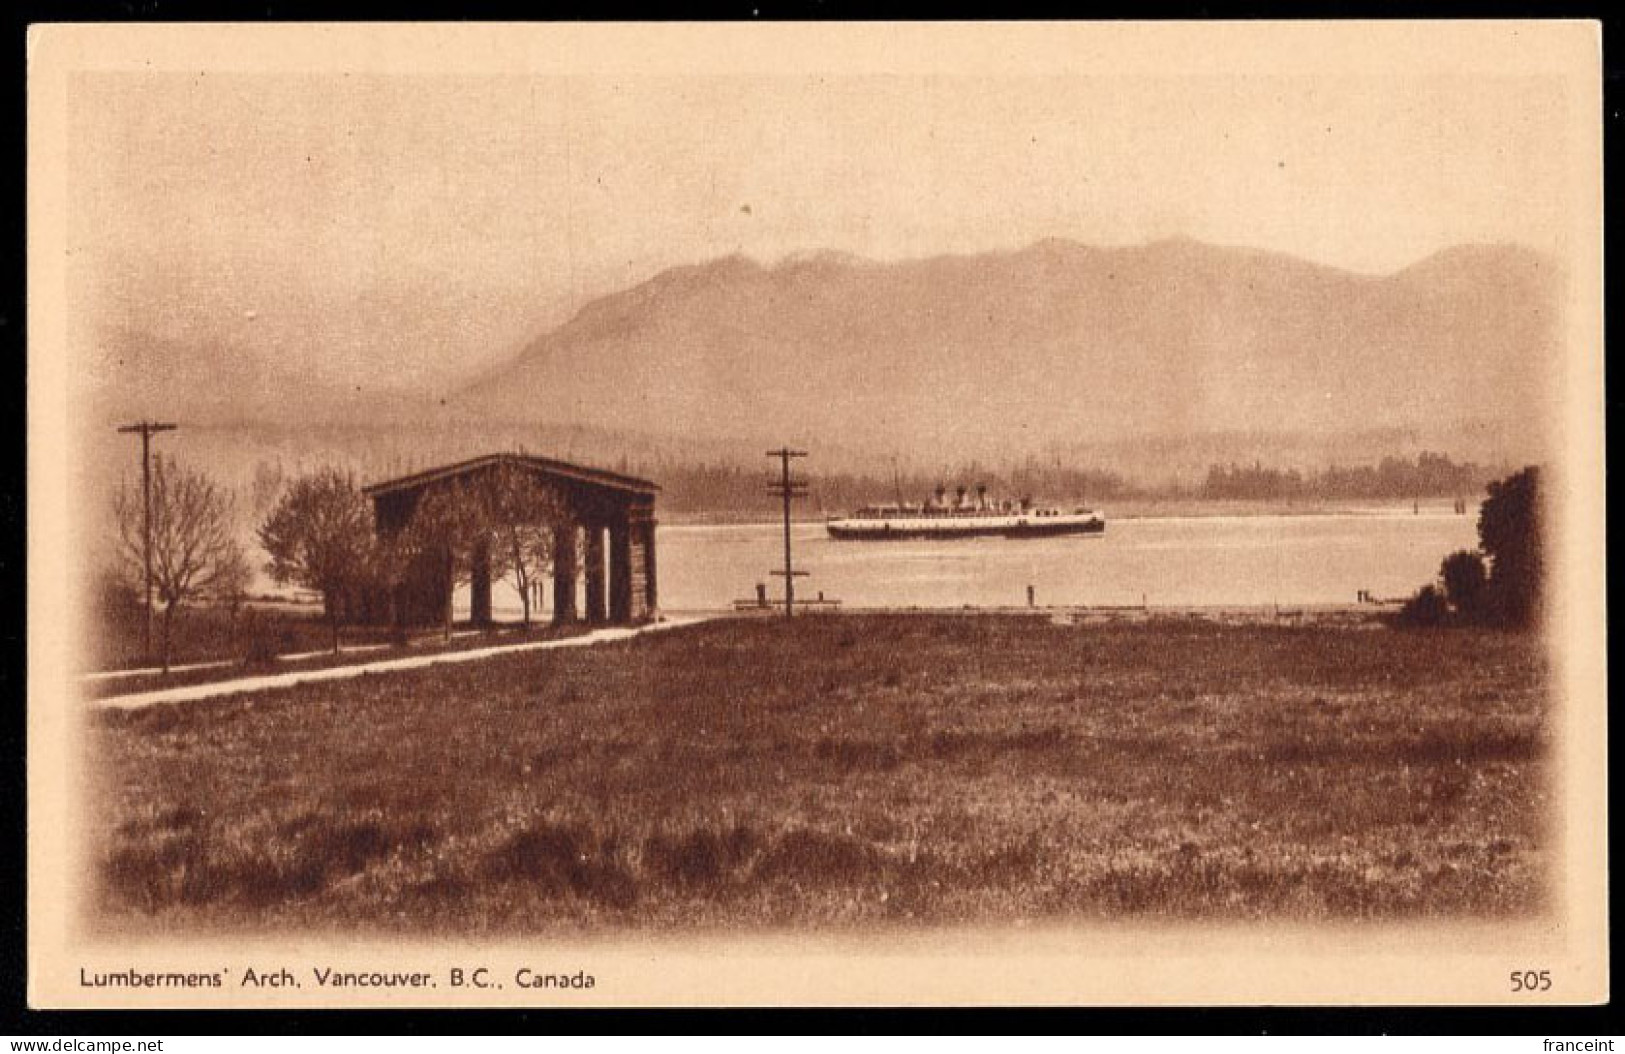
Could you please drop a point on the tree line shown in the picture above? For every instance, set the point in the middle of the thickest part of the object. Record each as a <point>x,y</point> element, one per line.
<point>1429,475</point>
<point>699,486</point>
<point>725,487</point>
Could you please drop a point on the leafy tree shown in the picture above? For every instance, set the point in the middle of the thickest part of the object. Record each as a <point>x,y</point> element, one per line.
<point>1510,534</point>
<point>1502,583</point>
<point>319,535</point>
<point>193,550</point>
<point>1464,579</point>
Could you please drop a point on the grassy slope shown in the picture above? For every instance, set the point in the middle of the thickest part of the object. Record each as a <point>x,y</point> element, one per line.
<point>850,769</point>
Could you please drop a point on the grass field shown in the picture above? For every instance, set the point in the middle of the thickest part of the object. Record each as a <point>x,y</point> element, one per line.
<point>849,769</point>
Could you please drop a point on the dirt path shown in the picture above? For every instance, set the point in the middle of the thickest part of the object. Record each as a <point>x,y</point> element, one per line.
<point>191,692</point>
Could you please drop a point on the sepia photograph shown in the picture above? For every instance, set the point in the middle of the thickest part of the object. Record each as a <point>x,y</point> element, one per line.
<point>762,514</point>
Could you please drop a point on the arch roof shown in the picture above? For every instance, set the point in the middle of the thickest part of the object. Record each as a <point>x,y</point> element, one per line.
<point>578,475</point>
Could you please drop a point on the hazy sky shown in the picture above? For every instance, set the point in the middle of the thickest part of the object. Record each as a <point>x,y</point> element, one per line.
<point>433,222</point>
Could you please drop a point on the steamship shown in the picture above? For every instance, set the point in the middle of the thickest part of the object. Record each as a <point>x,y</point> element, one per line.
<point>964,517</point>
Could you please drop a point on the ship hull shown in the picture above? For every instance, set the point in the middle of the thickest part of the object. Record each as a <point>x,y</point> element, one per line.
<point>901,530</point>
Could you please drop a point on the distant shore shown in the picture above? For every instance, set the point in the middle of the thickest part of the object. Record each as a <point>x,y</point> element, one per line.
<point>1123,509</point>
<point>1081,614</point>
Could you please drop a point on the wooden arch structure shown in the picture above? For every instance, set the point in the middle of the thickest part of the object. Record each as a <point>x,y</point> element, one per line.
<point>608,519</point>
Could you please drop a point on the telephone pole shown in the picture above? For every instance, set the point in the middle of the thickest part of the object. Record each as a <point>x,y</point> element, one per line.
<point>788,488</point>
<point>147,429</point>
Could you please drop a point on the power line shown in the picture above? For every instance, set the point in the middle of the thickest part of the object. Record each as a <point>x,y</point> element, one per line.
<point>788,488</point>
<point>147,429</point>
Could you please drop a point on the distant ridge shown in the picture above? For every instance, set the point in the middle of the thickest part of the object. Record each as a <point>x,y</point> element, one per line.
<point>1059,343</point>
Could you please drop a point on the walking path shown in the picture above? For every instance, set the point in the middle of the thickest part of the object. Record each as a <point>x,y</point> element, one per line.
<point>349,649</point>
<point>191,692</point>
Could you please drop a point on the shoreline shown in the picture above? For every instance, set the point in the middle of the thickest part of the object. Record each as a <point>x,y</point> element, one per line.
<point>1329,615</point>
<point>1128,509</point>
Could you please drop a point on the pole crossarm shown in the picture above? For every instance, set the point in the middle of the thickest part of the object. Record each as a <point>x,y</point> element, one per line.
<point>788,488</point>
<point>146,430</point>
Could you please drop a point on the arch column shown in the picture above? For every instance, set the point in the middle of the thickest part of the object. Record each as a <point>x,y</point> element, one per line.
<point>620,571</point>
<point>595,573</point>
<point>651,596</point>
<point>564,573</point>
<point>479,586</point>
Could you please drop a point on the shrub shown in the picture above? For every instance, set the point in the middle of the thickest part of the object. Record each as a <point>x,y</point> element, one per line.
<point>267,640</point>
<point>1426,608</point>
<point>704,859</point>
<point>1464,579</point>
<point>826,858</point>
<point>565,858</point>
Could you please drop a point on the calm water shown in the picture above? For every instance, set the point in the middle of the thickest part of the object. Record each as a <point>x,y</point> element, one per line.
<point>1243,560</point>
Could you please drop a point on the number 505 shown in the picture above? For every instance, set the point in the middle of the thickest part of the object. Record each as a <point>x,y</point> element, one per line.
<point>1531,980</point>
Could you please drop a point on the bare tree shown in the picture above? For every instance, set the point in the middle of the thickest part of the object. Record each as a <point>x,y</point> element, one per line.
<point>266,487</point>
<point>450,521</point>
<point>230,586</point>
<point>193,551</point>
<point>520,512</point>
<point>319,535</point>
<point>506,510</point>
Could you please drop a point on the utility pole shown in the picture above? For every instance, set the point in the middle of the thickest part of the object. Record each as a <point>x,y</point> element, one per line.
<point>147,429</point>
<point>788,488</point>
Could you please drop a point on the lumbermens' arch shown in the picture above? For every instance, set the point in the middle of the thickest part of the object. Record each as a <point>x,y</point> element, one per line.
<point>607,514</point>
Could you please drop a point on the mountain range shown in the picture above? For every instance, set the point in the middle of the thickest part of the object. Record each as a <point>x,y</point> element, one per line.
<point>1059,346</point>
<point>1055,346</point>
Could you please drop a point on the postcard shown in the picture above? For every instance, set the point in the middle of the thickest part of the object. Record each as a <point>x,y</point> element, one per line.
<point>816,514</point>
